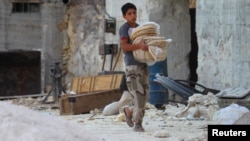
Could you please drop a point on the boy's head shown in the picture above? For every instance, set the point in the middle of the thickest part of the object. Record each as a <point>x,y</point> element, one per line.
<point>129,12</point>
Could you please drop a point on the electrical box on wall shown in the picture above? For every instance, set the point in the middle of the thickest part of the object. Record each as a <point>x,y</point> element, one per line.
<point>108,49</point>
<point>110,25</point>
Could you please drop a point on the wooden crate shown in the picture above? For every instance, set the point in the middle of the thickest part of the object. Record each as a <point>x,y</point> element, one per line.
<point>84,103</point>
<point>82,85</point>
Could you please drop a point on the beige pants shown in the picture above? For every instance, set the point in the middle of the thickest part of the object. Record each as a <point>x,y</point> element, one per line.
<point>137,79</point>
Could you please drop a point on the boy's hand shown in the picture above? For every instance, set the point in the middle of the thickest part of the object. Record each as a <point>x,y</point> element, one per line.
<point>143,46</point>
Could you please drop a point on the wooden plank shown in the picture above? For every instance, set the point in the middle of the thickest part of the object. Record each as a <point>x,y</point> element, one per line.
<point>82,85</point>
<point>64,105</point>
<point>74,84</point>
<point>85,85</point>
<point>84,103</point>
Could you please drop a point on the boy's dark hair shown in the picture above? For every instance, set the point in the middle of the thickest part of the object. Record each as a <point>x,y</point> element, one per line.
<point>127,6</point>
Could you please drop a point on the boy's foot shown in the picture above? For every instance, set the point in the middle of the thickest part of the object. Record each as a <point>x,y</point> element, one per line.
<point>128,115</point>
<point>138,128</point>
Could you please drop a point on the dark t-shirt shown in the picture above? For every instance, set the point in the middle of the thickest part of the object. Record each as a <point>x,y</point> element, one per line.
<point>128,55</point>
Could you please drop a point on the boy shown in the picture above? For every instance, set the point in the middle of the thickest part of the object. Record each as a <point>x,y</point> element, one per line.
<point>136,72</point>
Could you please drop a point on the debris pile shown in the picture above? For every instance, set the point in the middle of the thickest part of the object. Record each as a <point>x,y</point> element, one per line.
<point>200,107</point>
<point>18,123</point>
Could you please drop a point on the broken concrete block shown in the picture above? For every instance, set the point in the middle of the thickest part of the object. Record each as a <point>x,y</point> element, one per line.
<point>200,106</point>
<point>232,114</point>
<point>238,92</point>
<point>161,134</point>
<point>120,117</point>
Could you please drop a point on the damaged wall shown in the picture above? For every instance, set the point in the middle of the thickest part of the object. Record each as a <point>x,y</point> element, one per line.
<point>77,36</point>
<point>32,30</point>
<point>173,17</point>
<point>83,29</point>
<point>223,31</point>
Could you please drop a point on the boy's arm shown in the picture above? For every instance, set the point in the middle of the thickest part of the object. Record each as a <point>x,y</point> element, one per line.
<point>130,47</point>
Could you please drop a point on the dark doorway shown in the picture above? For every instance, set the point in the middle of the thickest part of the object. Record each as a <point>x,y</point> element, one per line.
<point>193,56</point>
<point>20,73</point>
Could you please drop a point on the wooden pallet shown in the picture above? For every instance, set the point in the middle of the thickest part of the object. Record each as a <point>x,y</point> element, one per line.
<point>84,103</point>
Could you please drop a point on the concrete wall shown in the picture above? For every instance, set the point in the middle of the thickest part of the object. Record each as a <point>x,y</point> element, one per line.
<point>33,31</point>
<point>174,21</point>
<point>223,31</point>
<point>173,17</point>
<point>83,29</point>
<point>52,39</point>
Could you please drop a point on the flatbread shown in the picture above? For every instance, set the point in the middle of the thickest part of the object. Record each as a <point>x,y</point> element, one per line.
<point>159,43</point>
<point>144,27</point>
<point>149,38</point>
<point>143,56</point>
<point>146,32</point>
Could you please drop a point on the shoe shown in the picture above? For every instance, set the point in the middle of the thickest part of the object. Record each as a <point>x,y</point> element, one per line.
<point>128,115</point>
<point>138,128</point>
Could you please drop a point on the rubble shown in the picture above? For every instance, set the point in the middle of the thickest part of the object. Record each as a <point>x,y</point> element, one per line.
<point>232,114</point>
<point>18,123</point>
<point>200,106</point>
<point>173,123</point>
<point>161,134</point>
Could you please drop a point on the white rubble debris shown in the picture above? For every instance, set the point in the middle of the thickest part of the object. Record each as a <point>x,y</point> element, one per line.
<point>237,92</point>
<point>159,124</point>
<point>232,114</point>
<point>18,123</point>
<point>200,106</point>
<point>200,137</point>
<point>120,117</point>
<point>161,134</point>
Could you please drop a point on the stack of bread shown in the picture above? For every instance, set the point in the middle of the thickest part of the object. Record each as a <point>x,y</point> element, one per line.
<point>157,45</point>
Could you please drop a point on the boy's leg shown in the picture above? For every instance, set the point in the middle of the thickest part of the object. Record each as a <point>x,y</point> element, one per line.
<point>136,86</point>
<point>128,110</point>
<point>142,98</point>
<point>139,111</point>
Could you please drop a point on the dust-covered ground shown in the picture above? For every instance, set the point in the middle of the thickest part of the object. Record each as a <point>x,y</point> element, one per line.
<point>27,119</point>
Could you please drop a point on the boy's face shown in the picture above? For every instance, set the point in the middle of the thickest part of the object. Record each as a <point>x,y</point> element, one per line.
<point>130,16</point>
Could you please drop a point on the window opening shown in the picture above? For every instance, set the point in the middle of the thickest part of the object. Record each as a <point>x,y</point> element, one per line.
<point>25,7</point>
